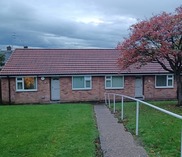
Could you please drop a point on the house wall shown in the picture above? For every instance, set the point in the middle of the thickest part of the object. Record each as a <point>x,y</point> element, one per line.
<point>4,90</point>
<point>40,96</point>
<point>152,93</point>
<point>95,94</point>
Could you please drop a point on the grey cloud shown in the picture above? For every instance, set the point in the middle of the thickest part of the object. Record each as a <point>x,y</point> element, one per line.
<point>73,24</point>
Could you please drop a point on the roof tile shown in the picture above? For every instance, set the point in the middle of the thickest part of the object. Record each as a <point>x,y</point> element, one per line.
<point>69,62</point>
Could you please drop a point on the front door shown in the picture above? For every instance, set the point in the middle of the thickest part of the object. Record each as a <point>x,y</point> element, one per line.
<point>55,89</point>
<point>139,87</point>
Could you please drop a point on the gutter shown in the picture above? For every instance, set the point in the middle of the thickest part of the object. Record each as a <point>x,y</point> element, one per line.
<point>81,74</point>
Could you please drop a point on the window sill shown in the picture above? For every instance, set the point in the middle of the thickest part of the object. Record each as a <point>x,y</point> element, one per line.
<point>164,87</point>
<point>76,89</point>
<point>115,88</point>
<point>26,90</point>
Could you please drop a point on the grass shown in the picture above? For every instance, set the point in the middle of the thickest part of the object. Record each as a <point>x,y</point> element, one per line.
<point>47,131</point>
<point>159,133</point>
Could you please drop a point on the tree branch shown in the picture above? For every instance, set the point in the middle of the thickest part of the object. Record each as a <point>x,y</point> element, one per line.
<point>164,66</point>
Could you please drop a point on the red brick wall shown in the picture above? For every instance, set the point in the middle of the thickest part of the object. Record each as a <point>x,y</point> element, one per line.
<point>4,90</point>
<point>151,92</point>
<point>97,91</point>
<point>67,94</point>
<point>40,96</point>
<point>95,94</point>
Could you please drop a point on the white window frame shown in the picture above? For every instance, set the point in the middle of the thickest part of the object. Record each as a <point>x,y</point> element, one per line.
<point>110,78</point>
<point>22,82</point>
<point>86,78</point>
<point>169,77</point>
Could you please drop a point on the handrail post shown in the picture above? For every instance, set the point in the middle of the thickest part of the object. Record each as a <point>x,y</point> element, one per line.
<point>181,141</point>
<point>137,117</point>
<point>109,100</point>
<point>105,98</point>
<point>114,102</point>
<point>122,107</point>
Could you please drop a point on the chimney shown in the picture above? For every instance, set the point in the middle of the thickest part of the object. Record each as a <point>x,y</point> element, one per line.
<point>8,48</point>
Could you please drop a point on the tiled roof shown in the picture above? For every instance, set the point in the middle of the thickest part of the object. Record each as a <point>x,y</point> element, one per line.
<point>68,62</point>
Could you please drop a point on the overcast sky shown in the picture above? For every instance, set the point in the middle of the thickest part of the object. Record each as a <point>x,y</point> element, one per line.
<point>73,23</point>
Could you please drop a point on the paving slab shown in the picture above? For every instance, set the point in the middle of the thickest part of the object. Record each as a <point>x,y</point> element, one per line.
<point>115,141</point>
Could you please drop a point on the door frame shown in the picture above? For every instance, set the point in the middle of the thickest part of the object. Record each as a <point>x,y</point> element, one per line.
<point>58,98</point>
<point>140,96</point>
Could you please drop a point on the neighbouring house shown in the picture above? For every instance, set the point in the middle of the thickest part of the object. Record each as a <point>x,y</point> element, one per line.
<point>75,75</point>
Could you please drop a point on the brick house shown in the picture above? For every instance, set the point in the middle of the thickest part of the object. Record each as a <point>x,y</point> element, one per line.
<point>74,75</point>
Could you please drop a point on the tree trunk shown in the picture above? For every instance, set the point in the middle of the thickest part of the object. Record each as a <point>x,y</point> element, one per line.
<point>179,89</point>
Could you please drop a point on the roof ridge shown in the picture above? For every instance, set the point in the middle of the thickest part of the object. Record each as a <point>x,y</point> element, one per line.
<point>65,49</point>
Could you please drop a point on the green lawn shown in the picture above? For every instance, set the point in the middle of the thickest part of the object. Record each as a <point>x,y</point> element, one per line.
<point>47,131</point>
<point>159,133</point>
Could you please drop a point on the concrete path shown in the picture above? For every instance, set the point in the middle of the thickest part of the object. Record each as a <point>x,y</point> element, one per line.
<point>115,141</point>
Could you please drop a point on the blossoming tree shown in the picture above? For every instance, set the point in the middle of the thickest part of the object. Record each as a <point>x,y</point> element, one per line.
<point>156,39</point>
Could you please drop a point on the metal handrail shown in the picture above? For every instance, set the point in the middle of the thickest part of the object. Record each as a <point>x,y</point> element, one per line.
<point>107,96</point>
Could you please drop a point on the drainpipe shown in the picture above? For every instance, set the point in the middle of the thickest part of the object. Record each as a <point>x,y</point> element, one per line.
<point>9,85</point>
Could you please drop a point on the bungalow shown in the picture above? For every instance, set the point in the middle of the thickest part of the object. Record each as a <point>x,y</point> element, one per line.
<point>74,75</point>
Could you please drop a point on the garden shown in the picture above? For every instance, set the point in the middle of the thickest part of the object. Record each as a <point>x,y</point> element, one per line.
<point>70,129</point>
<point>47,130</point>
<point>159,133</point>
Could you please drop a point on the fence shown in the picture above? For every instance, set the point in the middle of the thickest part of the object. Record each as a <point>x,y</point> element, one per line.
<point>108,101</point>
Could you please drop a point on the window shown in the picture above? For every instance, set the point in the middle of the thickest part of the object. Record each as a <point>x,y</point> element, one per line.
<point>26,84</point>
<point>81,82</point>
<point>114,82</point>
<point>164,81</point>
